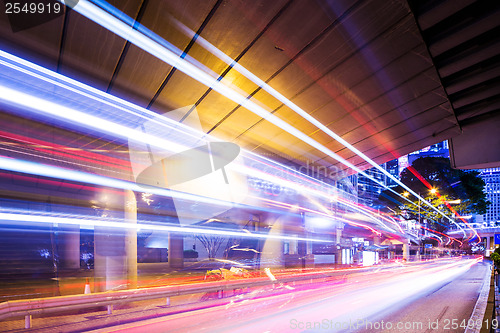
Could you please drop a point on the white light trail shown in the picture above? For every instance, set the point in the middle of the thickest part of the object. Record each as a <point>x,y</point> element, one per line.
<point>59,111</point>
<point>140,225</point>
<point>56,79</point>
<point>137,38</point>
<point>56,110</point>
<point>71,175</point>
<point>273,92</point>
<point>115,25</point>
<point>78,176</point>
<point>66,83</point>
<point>69,114</point>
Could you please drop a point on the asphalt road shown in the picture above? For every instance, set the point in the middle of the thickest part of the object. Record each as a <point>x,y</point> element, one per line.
<point>427,296</point>
<point>445,308</point>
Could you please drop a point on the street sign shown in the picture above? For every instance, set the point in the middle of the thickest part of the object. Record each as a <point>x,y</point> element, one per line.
<point>428,246</point>
<point>497,238</point>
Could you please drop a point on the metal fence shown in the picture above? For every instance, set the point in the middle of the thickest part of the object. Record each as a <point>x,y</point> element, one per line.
<point>36,307</point>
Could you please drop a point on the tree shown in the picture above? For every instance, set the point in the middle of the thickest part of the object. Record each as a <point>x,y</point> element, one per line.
<point>451,184</point>
<point>212,243</point>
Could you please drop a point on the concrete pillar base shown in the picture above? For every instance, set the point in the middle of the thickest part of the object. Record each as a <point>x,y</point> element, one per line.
<point>175,250</point>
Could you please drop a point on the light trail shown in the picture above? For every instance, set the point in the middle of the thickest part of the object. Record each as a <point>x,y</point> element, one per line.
<point>33,70</point>
<point>329,306</point>
<point>57,111</point>
<point>123,131</point>
<point>71,175</point>
<point>53,109</point>
<point>302,189</point>
<point>56,183</point>
<point>70,85</point>
<point>61,81</point>
<point>440,233</point>
<point>78,152</point>
<point>329,216</point>
<point>55,160</point>
<point>54,149</point>
<point>85,220</point>
<point>273,92</point>
<point>78,176</point>
<point>429,186</point>
<point>151,45</point>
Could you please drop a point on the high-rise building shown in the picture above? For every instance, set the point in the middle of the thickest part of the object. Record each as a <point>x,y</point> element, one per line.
<point>492,189</point>
<point>368,190</point>
<point>440,149</point>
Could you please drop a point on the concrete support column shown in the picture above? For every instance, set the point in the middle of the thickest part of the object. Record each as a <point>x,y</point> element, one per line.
<point>109,259</point>
<point>115,249</point>
<point>302,252</point>
<point>406,251</point>
<point>338,256</point>
<point>175,250</point>
<point>338,240</point>
<point>488,245</point>
<point>69,246</point>
<point>293,246</point>
<point>302,245</point>
<point>272,251</point>
<point>339,235</point>
<point>308,253</point>
<point>131,239</point>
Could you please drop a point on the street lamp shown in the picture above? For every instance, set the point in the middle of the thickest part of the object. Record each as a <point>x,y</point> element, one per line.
<point>432,191</point>
<point>406,194</point>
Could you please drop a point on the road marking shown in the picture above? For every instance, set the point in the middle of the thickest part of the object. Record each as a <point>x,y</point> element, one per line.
<point>442,313</point>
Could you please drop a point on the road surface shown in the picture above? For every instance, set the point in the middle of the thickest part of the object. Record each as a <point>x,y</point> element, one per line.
<point>413,296</point>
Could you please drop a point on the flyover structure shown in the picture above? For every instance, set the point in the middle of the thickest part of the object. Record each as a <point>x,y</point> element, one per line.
<point>386,76</point>
<point>489,235</point>
<point>311,92</point>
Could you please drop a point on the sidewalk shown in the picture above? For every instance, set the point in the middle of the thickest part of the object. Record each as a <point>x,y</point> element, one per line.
<point>496,302</point>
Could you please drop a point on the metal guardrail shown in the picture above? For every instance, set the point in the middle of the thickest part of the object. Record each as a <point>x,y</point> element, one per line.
<point>495,300</point>
<point>40,306</point>
<point>30,307</point>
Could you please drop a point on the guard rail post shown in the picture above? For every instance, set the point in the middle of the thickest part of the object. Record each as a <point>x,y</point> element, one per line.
<point>28,321</point>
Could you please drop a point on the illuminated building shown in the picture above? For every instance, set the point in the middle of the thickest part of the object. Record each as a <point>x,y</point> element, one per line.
<point>369,191</point>
<point>492,189</point>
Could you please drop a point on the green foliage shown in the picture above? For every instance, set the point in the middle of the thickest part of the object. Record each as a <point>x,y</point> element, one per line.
<point>495,257</point>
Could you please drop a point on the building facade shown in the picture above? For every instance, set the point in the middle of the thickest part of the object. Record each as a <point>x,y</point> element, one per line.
<point>492,189</point>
